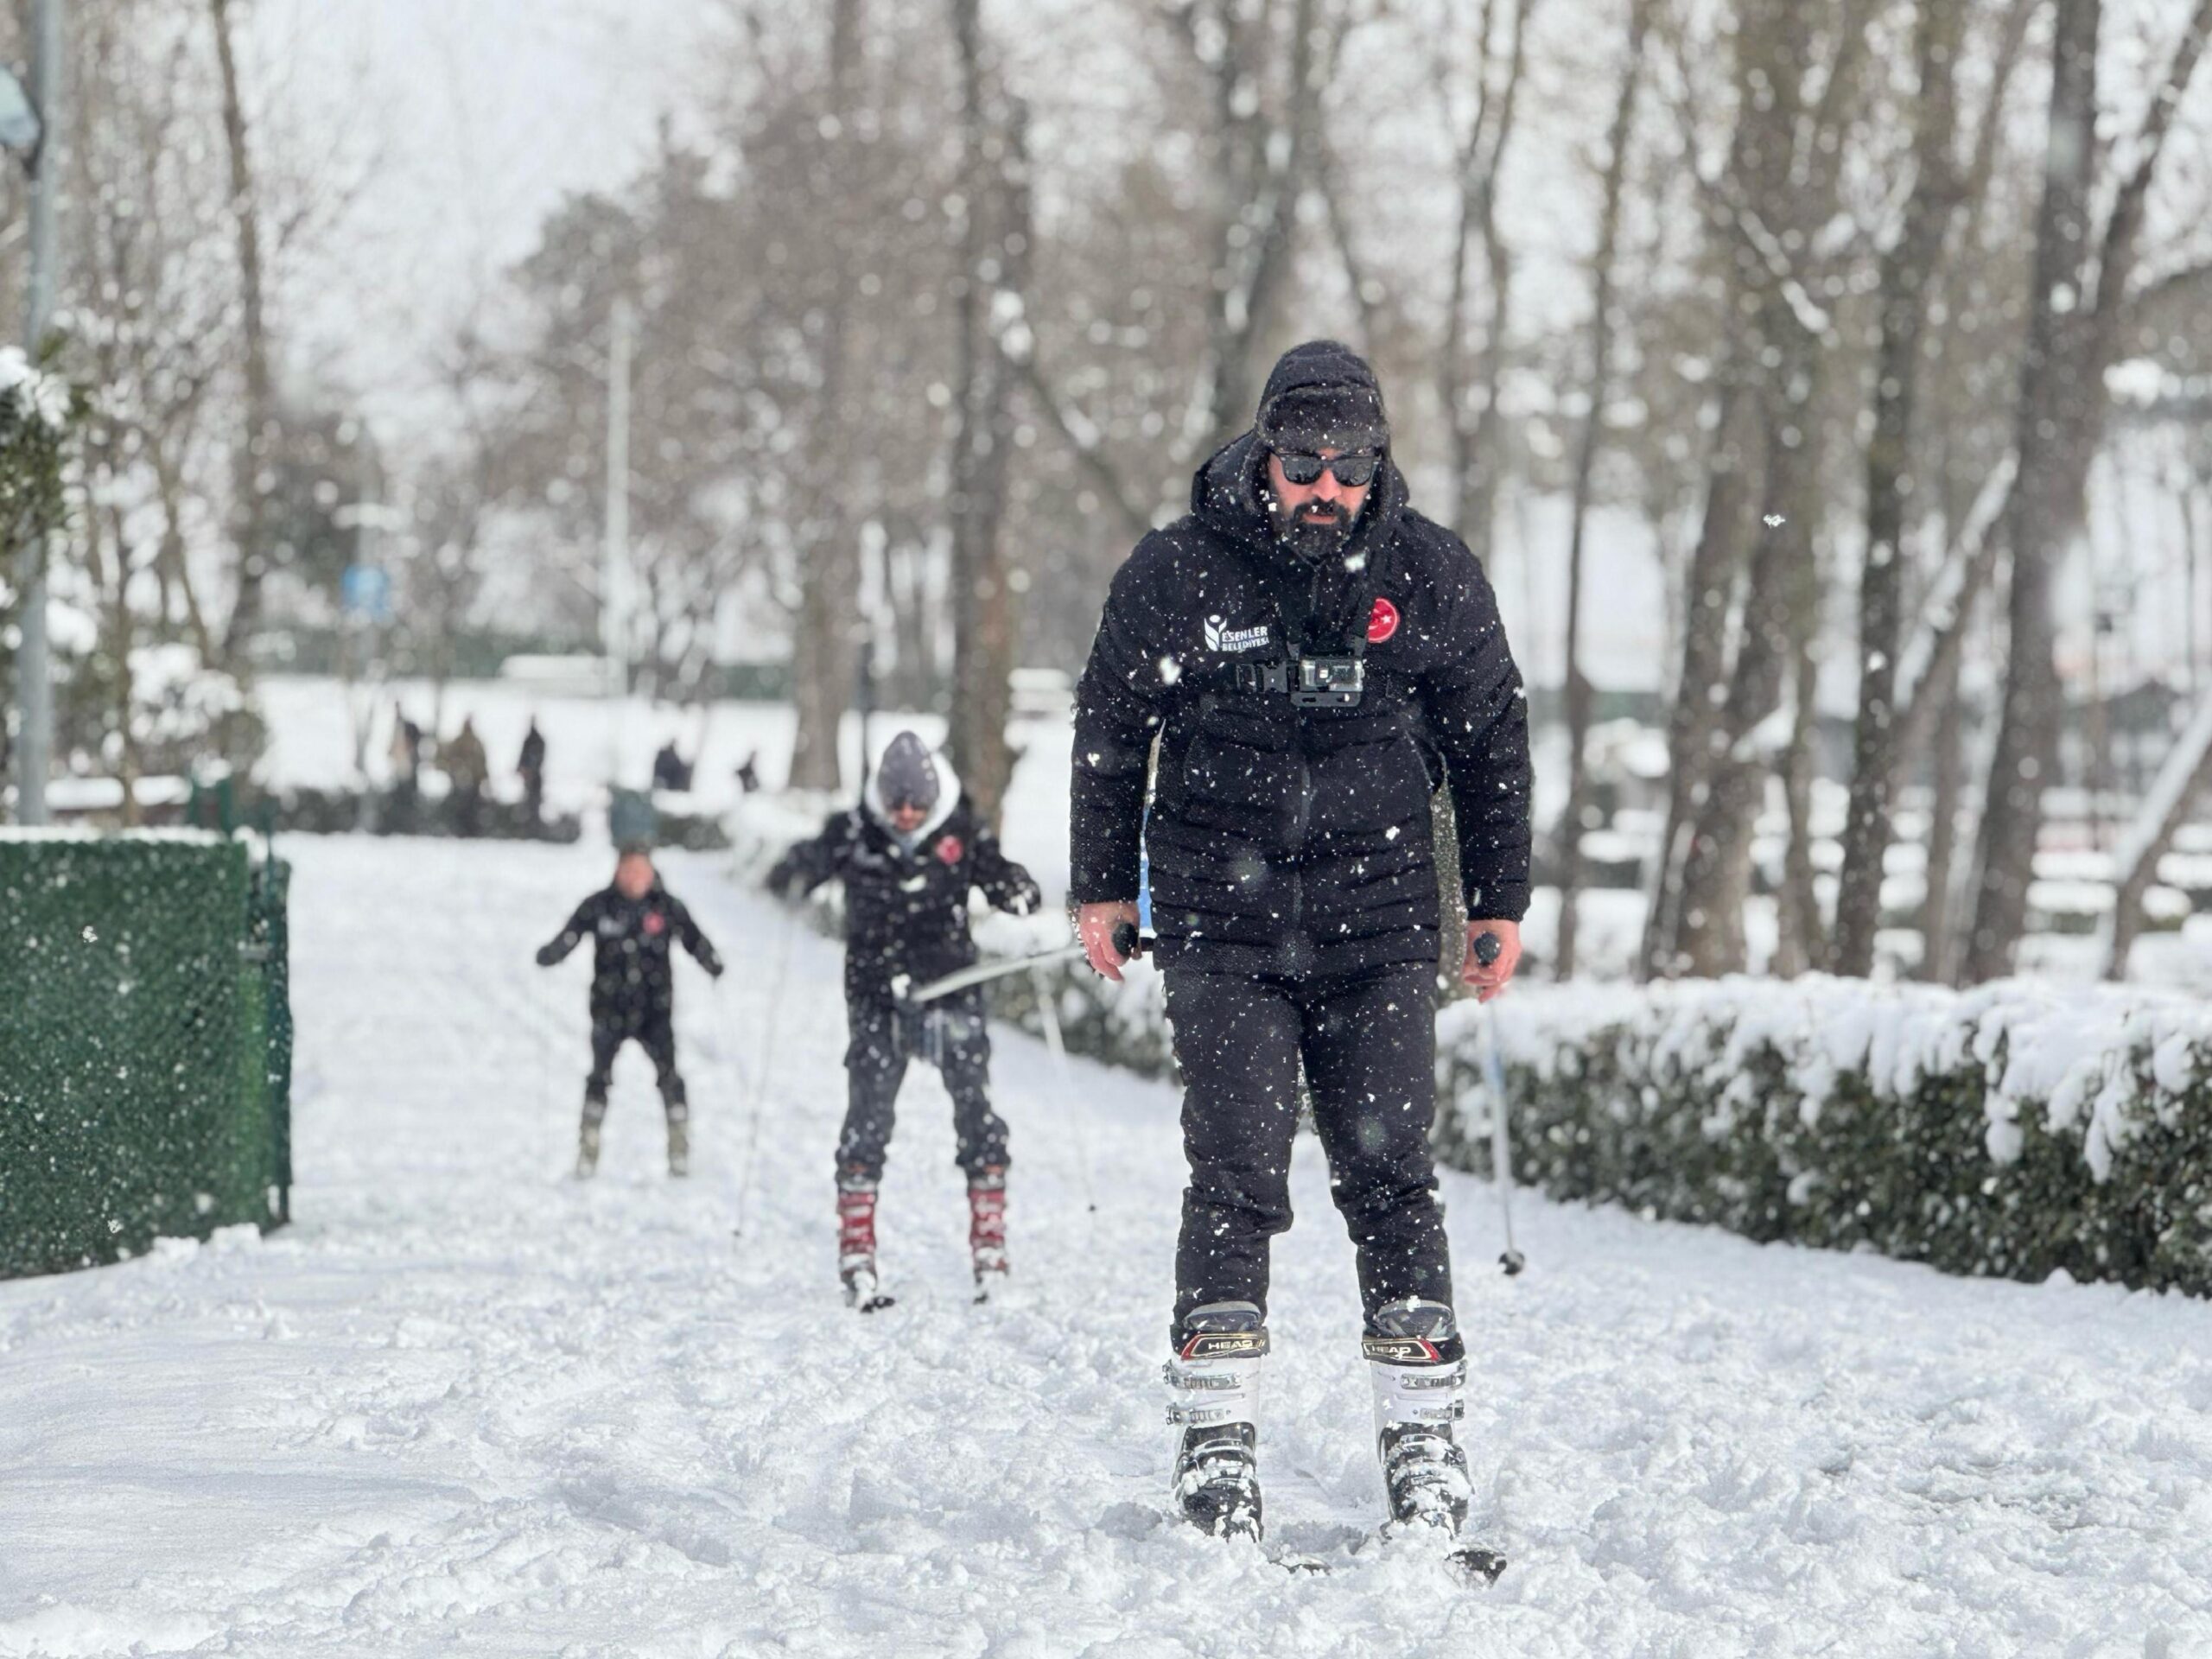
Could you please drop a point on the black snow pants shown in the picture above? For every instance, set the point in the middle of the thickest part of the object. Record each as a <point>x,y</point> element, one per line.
<point>1369,1044</point>
<point>950,1034</point>
<point>652,1031</point>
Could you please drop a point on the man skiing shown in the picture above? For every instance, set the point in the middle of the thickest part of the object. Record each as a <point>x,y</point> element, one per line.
<point>633,922</point>
<point>1314,657</point>
<point>908,856</point>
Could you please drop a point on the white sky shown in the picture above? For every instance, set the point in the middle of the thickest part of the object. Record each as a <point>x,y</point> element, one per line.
<point>464,122</point>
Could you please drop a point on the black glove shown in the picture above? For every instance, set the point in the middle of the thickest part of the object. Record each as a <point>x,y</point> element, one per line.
<point>779,881</point>
<point>548,955</point>
<point>1026,900</point>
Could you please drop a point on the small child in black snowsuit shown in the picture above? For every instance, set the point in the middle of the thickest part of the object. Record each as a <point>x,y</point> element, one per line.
<point>908,858</point>
<point>633,922</point>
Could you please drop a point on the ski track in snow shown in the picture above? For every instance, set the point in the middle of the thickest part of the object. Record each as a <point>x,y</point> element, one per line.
<point>467,1403</point>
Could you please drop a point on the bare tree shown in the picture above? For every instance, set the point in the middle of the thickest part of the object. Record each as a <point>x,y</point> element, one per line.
<point>2082,289</point>
<point>2181,780</point>
<point>1783,180</point>
<point>824,646</point>
<point>994,256</point>
<point>1469,384</point>
<point>1604,277</point>
<point>1908,268</point>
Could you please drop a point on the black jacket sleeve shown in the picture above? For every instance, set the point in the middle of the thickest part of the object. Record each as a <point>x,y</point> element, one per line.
<point>572,934</point>
<point>1478,718</point>
<point>696,942</point>
<point>811,862</point>
<point>1005,883</point>
<point>1119,705</point>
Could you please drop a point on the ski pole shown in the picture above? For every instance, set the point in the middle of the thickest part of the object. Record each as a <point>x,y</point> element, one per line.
<point>980,973</point>
<point>1487,948</point>
<point>760,1075</point>
<point>1048,1014</point>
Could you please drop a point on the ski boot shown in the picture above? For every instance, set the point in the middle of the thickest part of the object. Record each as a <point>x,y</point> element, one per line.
<point>1216,1374</point>
<point>1418,1365</point>
<point>588,1148</point>
<point>679,1144</point>
<point>856,1244</point>
<point>986,1229</point>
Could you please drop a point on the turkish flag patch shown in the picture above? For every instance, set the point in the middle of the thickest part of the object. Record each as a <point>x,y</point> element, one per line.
<point>949,849</point>
<point>1382,622</point>
<point>656,924</point>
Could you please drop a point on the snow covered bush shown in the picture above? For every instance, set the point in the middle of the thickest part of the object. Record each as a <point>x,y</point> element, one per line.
<point>38,410</point>
<point>39,413</point>
<point>2019,1129</point>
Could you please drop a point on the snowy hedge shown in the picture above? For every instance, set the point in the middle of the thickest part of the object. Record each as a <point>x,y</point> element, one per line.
<point>2019,1129</point>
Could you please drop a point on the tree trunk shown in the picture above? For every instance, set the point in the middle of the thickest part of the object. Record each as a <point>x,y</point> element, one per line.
<point>1260,173</point>
<point>2181,780</point>
<point>254,450</point>
<point>1946,747</point>
<point>1907,271</point>
<point>825,647</point>
<point>2046,507</point>
<point>995,258</point>
<point>1802,944</point>
<point>170,490</point>
<point>1693,721</point>
<point>2061,421</point>
<point>1780,609</point>
<point>1568,839</point>
<point>124,630</point>
<point>1470,401</point>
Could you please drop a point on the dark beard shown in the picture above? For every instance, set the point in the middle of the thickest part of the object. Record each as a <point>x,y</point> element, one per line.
<point>1308,538</point>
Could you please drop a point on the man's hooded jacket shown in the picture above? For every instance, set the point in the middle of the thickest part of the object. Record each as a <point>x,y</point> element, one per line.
<point>906,897</point>
<point>1288,839</point>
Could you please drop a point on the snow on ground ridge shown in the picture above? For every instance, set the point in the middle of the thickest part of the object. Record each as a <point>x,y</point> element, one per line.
<point>466,1402</point>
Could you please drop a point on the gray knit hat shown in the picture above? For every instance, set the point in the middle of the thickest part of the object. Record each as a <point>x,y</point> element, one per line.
<point>906,776</point>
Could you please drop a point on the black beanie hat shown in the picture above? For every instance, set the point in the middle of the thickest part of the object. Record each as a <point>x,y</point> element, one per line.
<point>906,776</point>
<point>1322,396</point>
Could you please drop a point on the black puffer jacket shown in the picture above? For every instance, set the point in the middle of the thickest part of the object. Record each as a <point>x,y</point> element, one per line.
<point>1289,840</point>
<point>906,909</point>
<point>631,975</point>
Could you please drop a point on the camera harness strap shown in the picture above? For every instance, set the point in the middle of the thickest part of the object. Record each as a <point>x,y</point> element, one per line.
<point>1292,592</point>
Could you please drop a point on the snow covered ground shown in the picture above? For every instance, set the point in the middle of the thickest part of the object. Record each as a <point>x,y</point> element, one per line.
<point>467,1404</point>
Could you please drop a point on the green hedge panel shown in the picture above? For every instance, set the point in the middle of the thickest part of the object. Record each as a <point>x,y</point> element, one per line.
<point>142,1004</point>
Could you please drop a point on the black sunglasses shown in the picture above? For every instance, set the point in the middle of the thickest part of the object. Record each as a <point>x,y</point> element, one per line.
<point>1354,471</point>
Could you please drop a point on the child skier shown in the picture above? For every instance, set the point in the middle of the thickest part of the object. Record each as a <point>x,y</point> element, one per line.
<point>632,921</point>
<point>908,856</point>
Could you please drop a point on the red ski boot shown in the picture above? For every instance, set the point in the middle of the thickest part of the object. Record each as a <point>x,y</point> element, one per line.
<point>986,1229</point>
<point>856,1244</point>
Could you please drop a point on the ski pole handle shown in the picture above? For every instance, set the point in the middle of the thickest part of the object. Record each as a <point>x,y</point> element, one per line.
<point>1128,941</point>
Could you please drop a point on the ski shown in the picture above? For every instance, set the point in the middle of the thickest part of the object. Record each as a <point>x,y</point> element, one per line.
<point>1475,1566</point>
